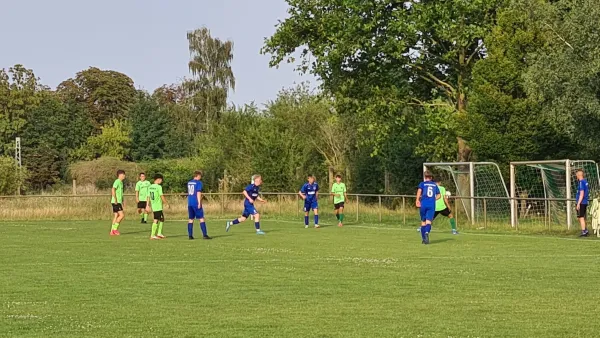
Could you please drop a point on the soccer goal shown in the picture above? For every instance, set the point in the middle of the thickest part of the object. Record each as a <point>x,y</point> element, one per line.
<point>544,191</point>
<point>474,181</point>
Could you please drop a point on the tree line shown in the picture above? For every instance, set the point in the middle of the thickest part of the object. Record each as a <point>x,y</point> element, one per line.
<point>402,82</point>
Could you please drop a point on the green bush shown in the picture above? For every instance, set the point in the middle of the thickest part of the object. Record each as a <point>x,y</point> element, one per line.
<point>178,172</point>
<point>10,178</point>
<point>102,172</point>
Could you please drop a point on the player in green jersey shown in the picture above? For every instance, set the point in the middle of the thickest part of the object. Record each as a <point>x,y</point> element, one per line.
<point>157,199</point>
<point>442,206</point>
<point>117,203</point>
<point>141,196</point>
<point>338,191</point>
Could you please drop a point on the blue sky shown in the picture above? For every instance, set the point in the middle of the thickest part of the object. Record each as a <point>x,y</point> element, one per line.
<point>145,39</point>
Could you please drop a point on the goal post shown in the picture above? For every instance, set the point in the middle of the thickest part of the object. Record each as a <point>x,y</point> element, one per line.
<point>546,189</point>
<point>473,181</point>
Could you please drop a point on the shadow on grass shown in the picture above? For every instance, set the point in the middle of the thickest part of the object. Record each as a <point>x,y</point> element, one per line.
<point>134,232</point>
<point>442,240</point>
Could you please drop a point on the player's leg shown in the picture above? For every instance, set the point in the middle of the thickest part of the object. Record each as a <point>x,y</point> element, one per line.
<point>144,212</point>
<point>155,220</point>
<point>428,220</point>
<point>200,216</point>
<point>191,216</point>
<point>238,220</point>
<point>423,228</point>
<point>581,214</point>
<point>114,220</point>
<point>161,222</point>
<point>341,214</point>
<point>452,221</point>
<point>315,208</point>
<point>257,223</point>
<point>306,213</point>
<point>139,211</point>
<point>119,215</point>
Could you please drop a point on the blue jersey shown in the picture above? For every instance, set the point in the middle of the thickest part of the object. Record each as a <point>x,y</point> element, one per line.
<point>310,191</point>
<point>583,186</point>
<point>193,187</point>
<point>252,191</point>
<point>429,190</point>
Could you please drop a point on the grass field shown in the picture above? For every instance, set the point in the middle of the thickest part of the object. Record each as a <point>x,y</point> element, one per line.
<point>70,279</point>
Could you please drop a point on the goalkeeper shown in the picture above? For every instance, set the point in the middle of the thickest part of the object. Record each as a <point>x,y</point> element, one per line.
<point>442,206</point>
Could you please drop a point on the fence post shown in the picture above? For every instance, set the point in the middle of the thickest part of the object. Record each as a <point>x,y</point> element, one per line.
<point>485,213</point>
<point>74,187</point>
<point>379,209</point>
<point>456,211</point>
<point>403,210</point>
<point>222,203</point>
<point>279,200</point>
<point>357,203</point>
<point>297,206</point>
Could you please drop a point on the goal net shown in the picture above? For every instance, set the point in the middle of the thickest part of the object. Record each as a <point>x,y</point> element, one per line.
<point>478,188</point>
<point>544,191</point>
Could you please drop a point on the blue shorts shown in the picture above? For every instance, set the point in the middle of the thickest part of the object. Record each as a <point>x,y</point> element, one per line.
<point>427,213</point>
<point>195,213</point>
<point>308,205</point>
<point>249,209</point>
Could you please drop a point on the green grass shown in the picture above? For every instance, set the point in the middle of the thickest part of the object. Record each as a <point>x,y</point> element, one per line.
<point>70,279</point>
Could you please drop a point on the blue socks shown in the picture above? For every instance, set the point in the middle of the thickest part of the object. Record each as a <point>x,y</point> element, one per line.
<point>305,220</point>
<point>190,229</point>
<point>203,228</point>
<point>425,229</point>
<point>257,225</point>
<point>316,219</point>
<point>428,226</point>
<point>235,221</point>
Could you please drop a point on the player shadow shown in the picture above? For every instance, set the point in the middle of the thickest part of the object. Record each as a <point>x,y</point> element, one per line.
<point>133,232</point>
<point>441,240</point>
<point>198,238</point>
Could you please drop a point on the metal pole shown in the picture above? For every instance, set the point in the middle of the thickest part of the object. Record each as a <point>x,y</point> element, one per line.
<point>357,198</point>
<point>569,196</point>
<point>472,191</point>
<point>379,209</point>
<point>404,210</point>
<point>484,213</point>
<point>513,193</point>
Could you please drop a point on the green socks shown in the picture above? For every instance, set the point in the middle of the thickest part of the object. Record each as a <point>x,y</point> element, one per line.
<point>160,225</point>
<point>145,217</point>
<point>154,226</point>
<point>453,223</point>
<point>341,217</point>
<point>115,226</point>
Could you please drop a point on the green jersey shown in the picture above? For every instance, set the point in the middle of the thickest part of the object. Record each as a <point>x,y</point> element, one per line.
<point>142,188</point>
<point>441,204</point>
<point>338,189</point>
<point>118,186</point>
<point>155,192</point>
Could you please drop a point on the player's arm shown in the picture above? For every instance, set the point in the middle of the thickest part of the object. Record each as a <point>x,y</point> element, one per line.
<point>446,201</point>
<point>113,193</point>
<point>245,193</point>
<point>419,193</point>
<point>580,198</point>
<point>199,197</point>
<point>302,193</point>
<point>137,196</point>
<point>260,199</point>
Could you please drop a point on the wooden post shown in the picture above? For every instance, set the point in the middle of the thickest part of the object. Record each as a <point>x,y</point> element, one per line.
<point>222,203</point>
<point>404,210</point>
<point>279,201</point>
<point>484,213</point>
<point>297,206</point>
<point>379,209</point>
<point>74,187</point>
<point>357,208</point>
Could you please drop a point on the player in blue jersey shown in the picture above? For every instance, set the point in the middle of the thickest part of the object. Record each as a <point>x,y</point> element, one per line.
<point>310,194</point>
<point>583,198</point>
<point>251,196</point>
<point>195,210</point>
<point>427,194</point>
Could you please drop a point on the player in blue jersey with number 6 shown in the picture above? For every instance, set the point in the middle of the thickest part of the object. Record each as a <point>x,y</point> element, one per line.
<point>427,194</point>
<point>195,210</point>
<point>250,197</point>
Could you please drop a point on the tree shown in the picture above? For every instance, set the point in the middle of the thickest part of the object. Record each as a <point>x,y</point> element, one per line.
<point>381,57</point>
<point>107,94</point>
<point>10,178</point>
<point>149,128</point>
<point>114,141</point>
<point>19,95</point>
<point>210,66</point>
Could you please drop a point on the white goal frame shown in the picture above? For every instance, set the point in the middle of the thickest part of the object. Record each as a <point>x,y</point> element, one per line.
<point>569,165</point>
<point>471,166</point>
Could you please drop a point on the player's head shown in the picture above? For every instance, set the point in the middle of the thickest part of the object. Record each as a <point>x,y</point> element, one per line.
<point>580,174</point>
<point>427,175</point>
<point>158,179</point>
<point>142,176</point>
<point>198,174</point>
<point>438,182</point>
<point>257,179</point>
<point>338,178</point>
<point>121,174</point>
<point>310,179</point>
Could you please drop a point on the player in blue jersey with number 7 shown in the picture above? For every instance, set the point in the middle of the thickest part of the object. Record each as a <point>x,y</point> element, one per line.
<point>250,197</point>
<point>427,194</point>
<point>195,210</point>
